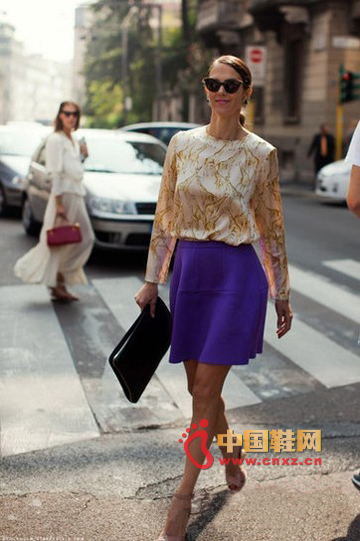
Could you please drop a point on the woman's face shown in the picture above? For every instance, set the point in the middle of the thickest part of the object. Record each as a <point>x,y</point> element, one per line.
<point>221,102</point>
<point>69,117</point>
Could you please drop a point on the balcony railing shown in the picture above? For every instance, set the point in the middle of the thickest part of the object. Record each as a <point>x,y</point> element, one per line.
<point>215,14</point>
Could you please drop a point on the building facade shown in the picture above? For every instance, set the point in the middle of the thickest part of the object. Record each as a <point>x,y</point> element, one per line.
<point>305,42</point>
<point>84,17</point>
<point>31,87</point>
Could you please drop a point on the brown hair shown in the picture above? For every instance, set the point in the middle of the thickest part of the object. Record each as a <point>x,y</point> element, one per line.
<point>58,125</point>
<point>240,67</point>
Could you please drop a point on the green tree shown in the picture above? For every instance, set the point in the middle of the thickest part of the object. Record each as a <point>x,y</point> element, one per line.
<point>183,58</point>
<point>105,60</point>
<point>106,102</point>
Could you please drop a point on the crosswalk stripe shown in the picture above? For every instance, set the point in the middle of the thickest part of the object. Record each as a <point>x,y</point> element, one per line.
<point>325,292</point>
<point>39,382</point>
<point>345,266</point>
<point>42,402</point>
<point>324,359</point>
<point>118,294</point>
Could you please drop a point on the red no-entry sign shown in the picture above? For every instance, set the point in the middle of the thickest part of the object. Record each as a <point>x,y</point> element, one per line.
<point>255,57</point>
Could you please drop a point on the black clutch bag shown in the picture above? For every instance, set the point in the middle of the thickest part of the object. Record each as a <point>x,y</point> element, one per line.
<point>139,352</point>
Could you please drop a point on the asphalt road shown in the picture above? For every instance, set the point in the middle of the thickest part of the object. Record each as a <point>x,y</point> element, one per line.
<point>78,461</point>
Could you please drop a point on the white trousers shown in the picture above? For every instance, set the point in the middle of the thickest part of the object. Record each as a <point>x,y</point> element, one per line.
<point>41,264</point>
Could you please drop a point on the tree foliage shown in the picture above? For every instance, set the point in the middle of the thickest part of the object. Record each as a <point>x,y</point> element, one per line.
<point>183,61</point>
<point>106,102</point>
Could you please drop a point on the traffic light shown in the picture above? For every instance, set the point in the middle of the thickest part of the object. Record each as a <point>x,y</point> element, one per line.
<point>347,87</point>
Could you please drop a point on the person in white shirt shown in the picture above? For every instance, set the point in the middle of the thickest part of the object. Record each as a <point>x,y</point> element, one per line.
<point>63,265</point>
<point>353,157</point>
<point>353,201</point>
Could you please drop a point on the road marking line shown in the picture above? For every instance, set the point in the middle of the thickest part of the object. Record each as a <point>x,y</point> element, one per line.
<point>312,351</point>
<point>42,402</point>
<point>350,267</point>
<point>118,294</point>
<point>325,292</point>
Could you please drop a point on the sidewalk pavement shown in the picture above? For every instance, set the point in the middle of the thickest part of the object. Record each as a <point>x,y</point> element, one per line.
<point>117,487</point>
<point>308,508</point>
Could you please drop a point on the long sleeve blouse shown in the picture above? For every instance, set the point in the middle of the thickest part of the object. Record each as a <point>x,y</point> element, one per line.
<point>63,164</point>
<point>219,190</point>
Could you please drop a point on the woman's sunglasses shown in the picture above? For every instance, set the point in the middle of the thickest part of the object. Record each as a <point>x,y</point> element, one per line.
<point>230,85</point>
<point>71,113</point>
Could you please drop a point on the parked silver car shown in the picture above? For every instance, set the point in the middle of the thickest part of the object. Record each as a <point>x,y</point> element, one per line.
<point>17,144</point>
<point>122,181</point>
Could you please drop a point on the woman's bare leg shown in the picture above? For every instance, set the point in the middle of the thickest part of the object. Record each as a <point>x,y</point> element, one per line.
<point>60,291</point>
<point>206,391</point>
<point>222,425</point>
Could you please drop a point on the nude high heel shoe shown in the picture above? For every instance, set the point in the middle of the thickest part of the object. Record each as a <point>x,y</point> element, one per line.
<point>183,503</point>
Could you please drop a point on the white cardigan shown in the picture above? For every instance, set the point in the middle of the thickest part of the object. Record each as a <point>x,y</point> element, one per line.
<point>63,164</point>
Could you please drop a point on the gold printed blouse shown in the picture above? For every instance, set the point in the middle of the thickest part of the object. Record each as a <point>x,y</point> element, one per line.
<point>219,190</point>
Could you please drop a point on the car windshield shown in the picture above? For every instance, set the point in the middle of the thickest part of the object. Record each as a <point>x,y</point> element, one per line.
<point>130,157</point>
<point>18,143</point>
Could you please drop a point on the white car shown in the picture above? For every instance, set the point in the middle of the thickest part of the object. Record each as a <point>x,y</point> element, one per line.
<point>332,181</point>
<point>122,180</point>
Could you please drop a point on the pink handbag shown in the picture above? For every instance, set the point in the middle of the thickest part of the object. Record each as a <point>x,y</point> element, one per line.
<point>64,234</point>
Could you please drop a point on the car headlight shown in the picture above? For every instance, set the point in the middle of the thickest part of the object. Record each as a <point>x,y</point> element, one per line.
<point>18,181</point>
<point>111,206</point>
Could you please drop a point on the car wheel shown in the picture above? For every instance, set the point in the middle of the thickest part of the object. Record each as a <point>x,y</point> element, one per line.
<point>2,201</point>
<point>31,226</point>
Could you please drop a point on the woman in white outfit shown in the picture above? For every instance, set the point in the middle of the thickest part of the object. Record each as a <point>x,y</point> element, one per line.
<point>62,265</point>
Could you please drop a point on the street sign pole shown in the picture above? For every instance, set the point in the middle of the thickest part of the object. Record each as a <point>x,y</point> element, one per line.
<point>255,57</point>
<point>339,130</point>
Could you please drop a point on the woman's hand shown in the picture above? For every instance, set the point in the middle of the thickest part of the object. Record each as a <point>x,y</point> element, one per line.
<point>285,315</point>
<point>84,150</point>
<point>147,295</point>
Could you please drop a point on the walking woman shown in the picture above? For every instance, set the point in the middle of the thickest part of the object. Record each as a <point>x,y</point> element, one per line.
<point>219,194</point>
<point>63,265</point>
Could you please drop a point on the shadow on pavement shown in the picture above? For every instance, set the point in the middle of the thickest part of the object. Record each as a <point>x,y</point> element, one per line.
<point>210,507</point>
<point>353,533</point>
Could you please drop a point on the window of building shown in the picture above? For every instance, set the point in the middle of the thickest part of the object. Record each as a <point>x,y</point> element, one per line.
<point>293,80</point>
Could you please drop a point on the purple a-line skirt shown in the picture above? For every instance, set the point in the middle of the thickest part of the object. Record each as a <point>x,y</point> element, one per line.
<point>218,298</point>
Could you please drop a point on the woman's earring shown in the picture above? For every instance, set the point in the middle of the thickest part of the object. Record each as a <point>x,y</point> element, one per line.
<point>208,99</point>
<point>246,101</point>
